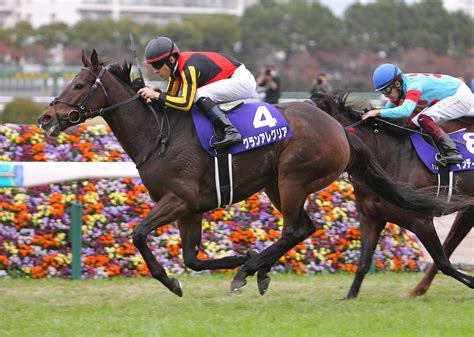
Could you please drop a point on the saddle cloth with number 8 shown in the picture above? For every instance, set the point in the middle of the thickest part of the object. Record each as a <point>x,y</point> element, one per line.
<point>427,153</point>
<point>259,123</point>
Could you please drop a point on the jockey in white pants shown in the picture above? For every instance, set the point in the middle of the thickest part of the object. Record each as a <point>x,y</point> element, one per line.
<point>206,78</point>
<point>442,98</point>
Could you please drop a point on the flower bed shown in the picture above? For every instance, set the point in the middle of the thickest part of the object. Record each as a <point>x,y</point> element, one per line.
<point>34,222</point>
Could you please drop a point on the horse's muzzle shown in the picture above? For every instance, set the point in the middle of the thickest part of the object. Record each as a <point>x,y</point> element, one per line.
<point>49,124</point>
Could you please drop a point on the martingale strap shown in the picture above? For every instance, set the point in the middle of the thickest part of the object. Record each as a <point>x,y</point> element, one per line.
<point>445,182</point>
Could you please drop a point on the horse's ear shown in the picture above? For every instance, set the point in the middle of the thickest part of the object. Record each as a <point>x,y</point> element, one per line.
<point>85,60</point>
<point>94,60</point>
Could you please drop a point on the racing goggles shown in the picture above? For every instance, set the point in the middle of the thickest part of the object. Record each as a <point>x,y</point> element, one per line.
<point>387,90</point>
<point>157,64</point>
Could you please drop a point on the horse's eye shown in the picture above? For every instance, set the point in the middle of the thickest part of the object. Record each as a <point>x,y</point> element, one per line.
<point>79,86</point>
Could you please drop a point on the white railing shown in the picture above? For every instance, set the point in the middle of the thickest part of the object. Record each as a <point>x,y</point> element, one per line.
<point>27,174</point>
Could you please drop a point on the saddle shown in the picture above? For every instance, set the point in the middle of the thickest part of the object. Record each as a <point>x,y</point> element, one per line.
<point>260,124</point>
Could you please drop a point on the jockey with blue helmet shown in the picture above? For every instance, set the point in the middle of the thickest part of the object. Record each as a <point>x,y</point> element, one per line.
<point>204,78</point>
<point>441,98</point>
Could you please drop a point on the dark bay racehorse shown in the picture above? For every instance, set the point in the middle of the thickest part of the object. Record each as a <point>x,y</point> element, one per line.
<point>181,180</point>
<point>392,147</point>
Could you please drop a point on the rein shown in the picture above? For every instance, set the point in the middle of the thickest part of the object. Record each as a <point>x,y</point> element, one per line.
<point>82,114</point>
<point>375,125</point>
<point>377,119</point>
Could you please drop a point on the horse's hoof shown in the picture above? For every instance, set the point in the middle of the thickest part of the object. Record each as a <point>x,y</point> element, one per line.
<point>176,287</point>
<point>251,253</point>
<point>415,293</point>
<point>263,285</point>
<point>237,285</point>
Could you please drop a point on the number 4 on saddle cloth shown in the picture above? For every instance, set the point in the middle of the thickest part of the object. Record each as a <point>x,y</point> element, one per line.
<point>259,124</point>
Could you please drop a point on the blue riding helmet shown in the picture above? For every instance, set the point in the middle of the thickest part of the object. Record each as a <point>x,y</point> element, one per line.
<point>385,75</point>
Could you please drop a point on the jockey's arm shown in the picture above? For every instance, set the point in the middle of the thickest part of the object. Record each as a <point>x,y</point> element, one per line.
<point>405,109</point>
<point>173,86</point>
<point>185,100</point>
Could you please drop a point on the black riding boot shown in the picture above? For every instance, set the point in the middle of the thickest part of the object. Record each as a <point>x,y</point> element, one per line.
<point>229,135</point>
<point>453,156</point>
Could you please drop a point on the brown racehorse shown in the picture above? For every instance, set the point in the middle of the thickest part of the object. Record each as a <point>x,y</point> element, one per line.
<point>392,147</point>
<point>181,178</point>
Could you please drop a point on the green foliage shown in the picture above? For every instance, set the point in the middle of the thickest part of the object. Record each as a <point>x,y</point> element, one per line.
<point>301,30</point>
<point>22,34</point>
<point>53,34</point>
<point>22,111</point>
<point>216,33</point>
<point>392,24</point>
<point>291,26</point>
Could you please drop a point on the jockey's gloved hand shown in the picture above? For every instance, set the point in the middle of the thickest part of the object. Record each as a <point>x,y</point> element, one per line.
<point>138,83</point>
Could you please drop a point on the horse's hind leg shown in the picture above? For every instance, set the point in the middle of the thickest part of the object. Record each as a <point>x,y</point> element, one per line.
<point>297,226</point>
<point>167,210</point>
<point>370,229</point>
<point>263,280</point>
<point>460,228</point>
<point>427,234</point>
<point>190,229</point>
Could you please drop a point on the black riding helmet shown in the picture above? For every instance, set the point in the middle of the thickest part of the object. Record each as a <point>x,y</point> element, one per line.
<point>159,50</point>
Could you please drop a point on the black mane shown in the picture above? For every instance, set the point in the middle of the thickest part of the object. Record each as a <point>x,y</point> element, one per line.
<point>122,71</point>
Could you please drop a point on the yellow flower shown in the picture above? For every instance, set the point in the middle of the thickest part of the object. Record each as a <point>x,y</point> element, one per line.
<point>62,138</point>
<point>63,259</point>
<point>110,251</point>
<point>118,198</point>
<point>10,247</point>
<point>137,260</point>
<point>37,138</point>
<point>211,247</point>
<point>6,216</point>
<point>205,225</point>
<point>4,157</point>
<point>260,234</point>
<point>91,197</point>
<point>70,198</point>
<point>19,198</point>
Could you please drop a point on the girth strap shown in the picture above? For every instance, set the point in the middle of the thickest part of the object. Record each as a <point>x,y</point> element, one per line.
<point>223,178</point>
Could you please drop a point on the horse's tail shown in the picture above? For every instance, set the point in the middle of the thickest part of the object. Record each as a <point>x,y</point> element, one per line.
<point>364,167</point>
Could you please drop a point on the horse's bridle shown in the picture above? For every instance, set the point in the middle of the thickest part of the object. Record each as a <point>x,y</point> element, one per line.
<point>81,109</point>
<point>84,114</point>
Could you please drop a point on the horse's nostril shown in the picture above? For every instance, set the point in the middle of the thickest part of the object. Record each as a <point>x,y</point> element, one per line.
<point>44,120</point>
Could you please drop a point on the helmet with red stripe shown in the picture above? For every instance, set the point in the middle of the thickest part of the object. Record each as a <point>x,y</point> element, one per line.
<point>159,50</point>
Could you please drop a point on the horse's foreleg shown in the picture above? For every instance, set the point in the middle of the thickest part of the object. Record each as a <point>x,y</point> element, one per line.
<point>190,227</point>
<point>370,231</point>
<point>460,228</point>
<point>426,232</point>
<point>167,210</point>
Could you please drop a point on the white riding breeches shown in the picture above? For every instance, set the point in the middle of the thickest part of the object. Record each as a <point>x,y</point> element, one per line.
<point>240,85</point>
<point>452,107</point>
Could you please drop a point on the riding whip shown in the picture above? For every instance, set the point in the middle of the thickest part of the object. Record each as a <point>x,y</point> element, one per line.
<point>140,81</point>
